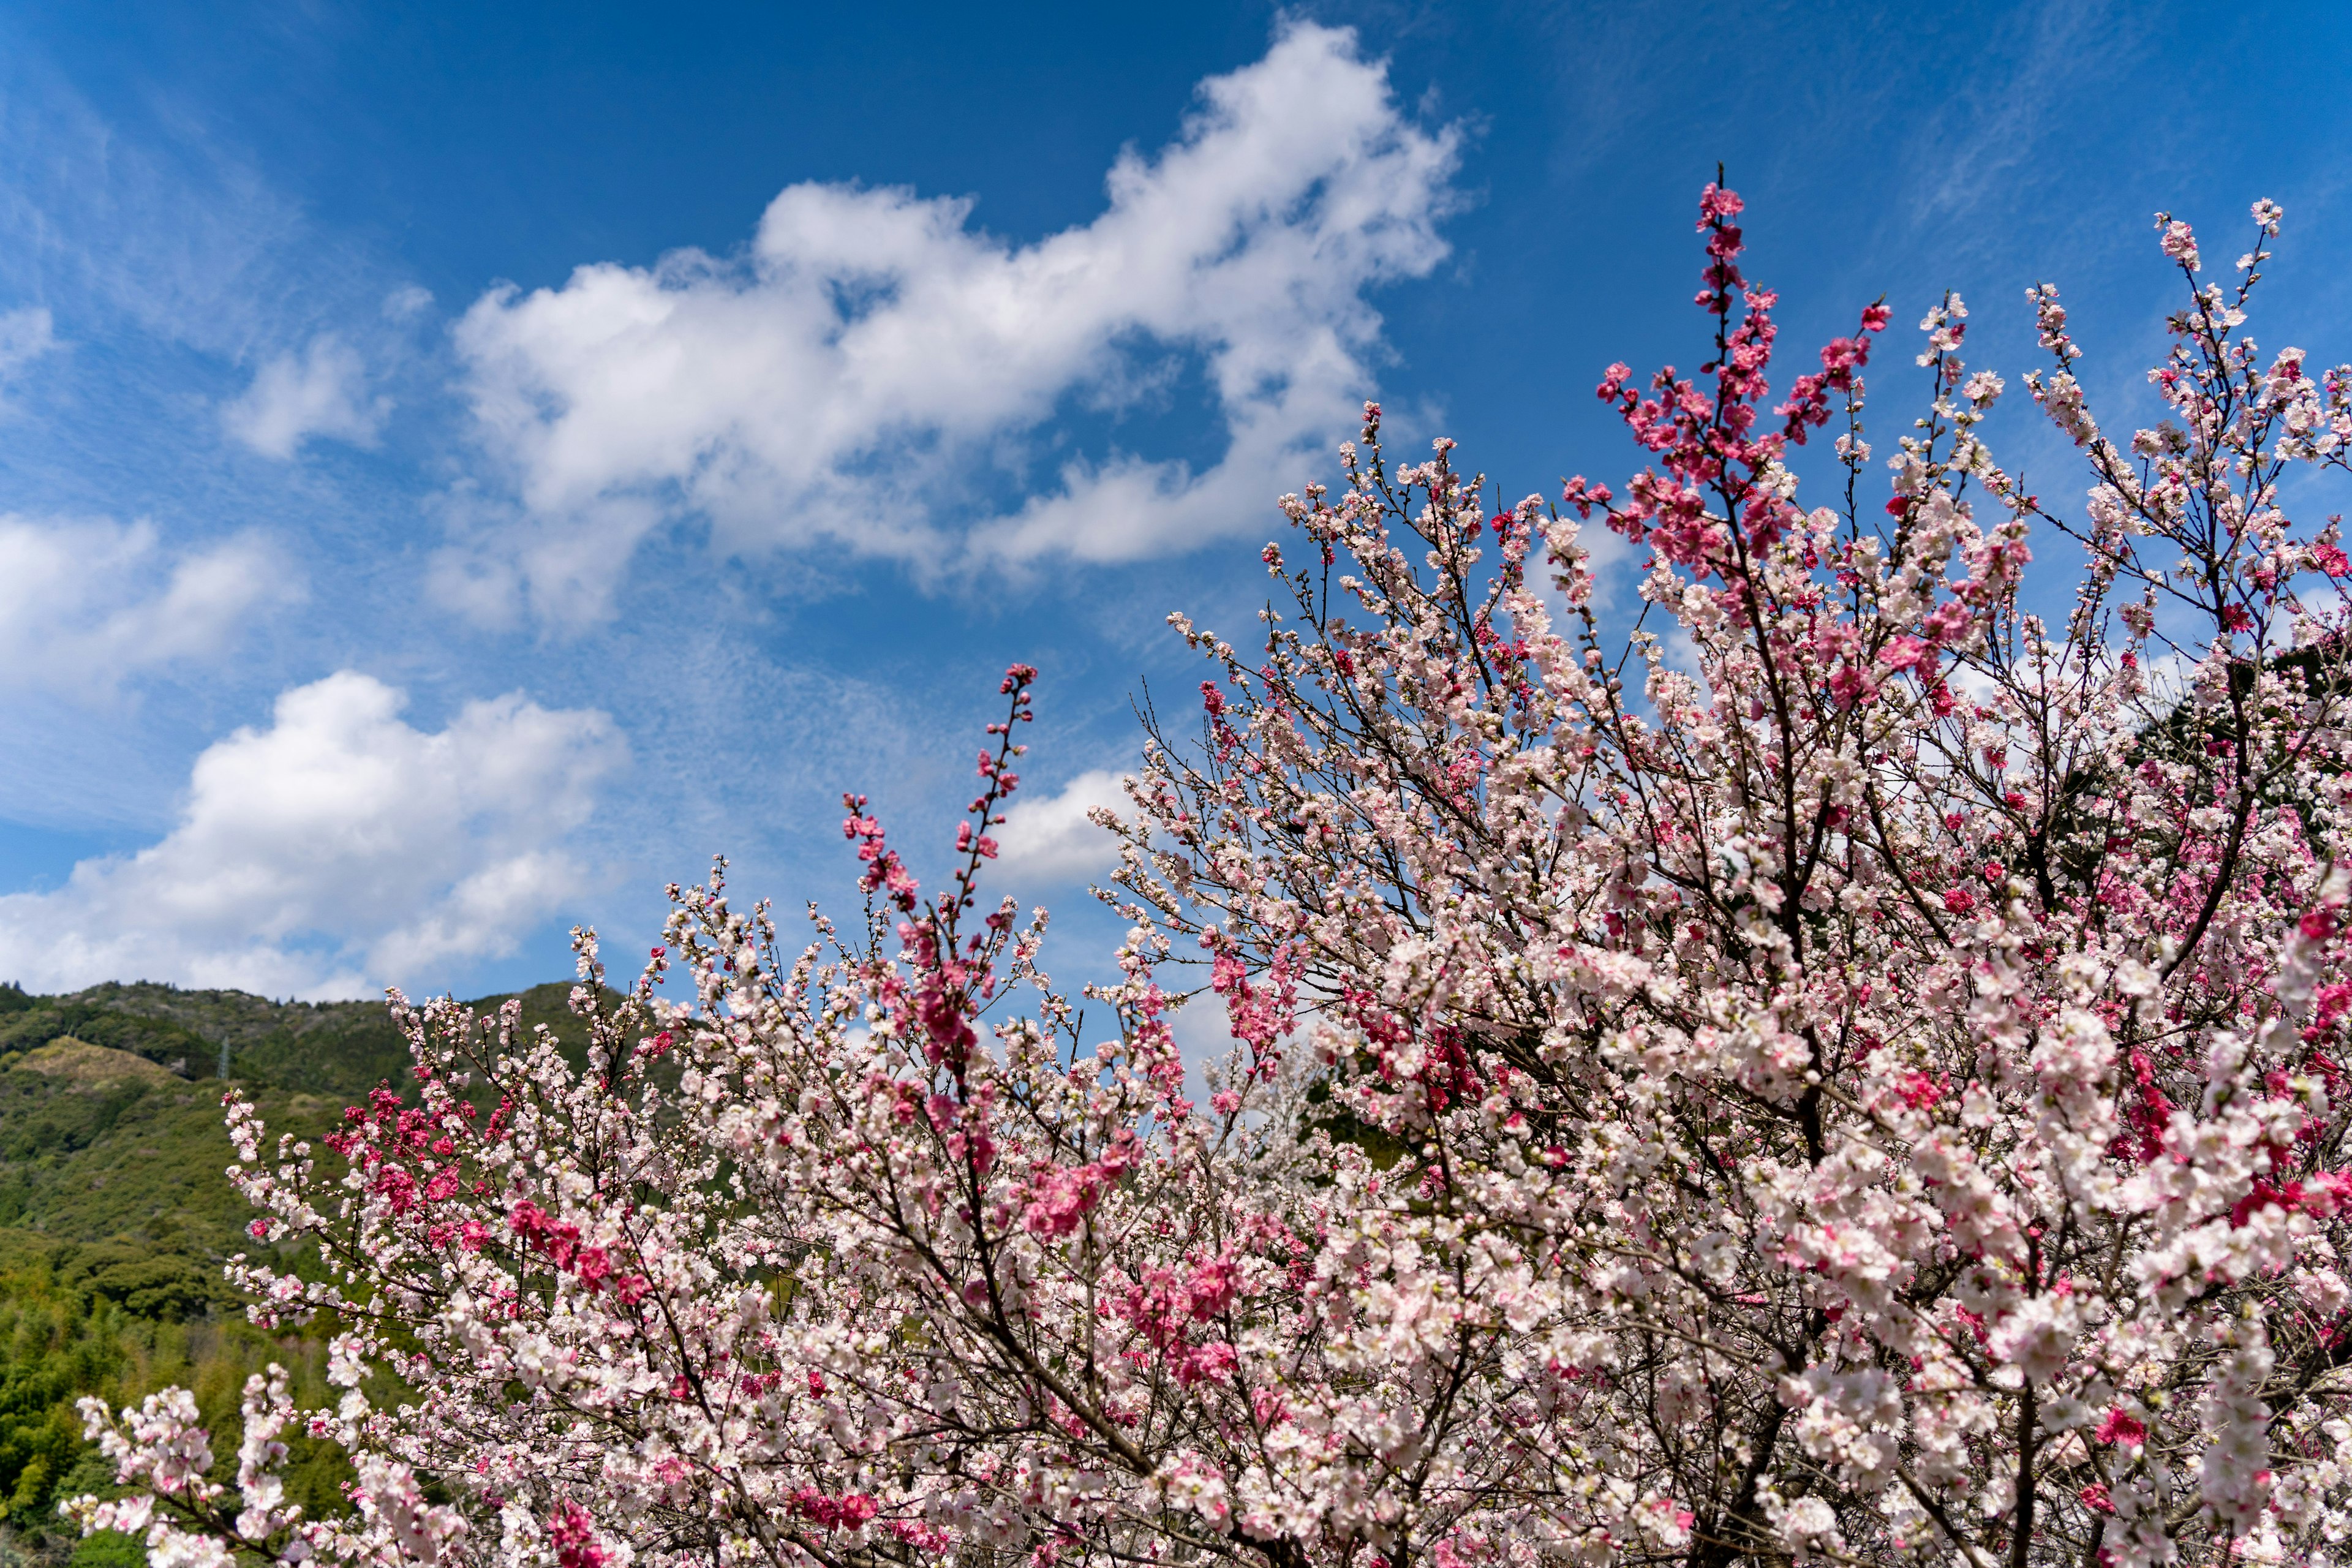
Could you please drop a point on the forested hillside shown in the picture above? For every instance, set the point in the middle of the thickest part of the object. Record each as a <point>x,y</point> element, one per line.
<point>115,1217</point>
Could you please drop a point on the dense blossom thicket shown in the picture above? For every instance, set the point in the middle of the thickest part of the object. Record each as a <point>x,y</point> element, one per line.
<point>1854,1074</point>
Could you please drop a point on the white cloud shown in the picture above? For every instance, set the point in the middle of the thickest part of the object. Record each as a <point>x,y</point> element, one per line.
<point>83,603</point>
<point>1050,839</point>
<point>842,382</point>
<point>320,392</point>
<point>25,335</point>
<point>407,301</point>
<point>336,850</point>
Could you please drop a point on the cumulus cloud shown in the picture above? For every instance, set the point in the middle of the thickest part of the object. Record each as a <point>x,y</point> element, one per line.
<point>338,849</point>
<point>1050,838</point>
<point>323,391</point>
<point>845,379</point>
<point>86,603</point>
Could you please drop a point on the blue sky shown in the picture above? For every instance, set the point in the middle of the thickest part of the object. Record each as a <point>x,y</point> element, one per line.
<point>459,471</point>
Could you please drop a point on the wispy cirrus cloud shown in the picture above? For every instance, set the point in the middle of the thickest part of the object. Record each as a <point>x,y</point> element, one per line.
<point>841,383</point>
<point>26,333</point>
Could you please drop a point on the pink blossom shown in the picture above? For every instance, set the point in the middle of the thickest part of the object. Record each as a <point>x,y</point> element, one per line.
<point>1833,1091</point>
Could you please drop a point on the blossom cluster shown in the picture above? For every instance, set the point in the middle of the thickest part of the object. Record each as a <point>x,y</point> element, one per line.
<point>1853,1075</point>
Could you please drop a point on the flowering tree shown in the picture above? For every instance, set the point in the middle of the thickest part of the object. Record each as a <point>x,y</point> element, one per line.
<point>1849,1075</point>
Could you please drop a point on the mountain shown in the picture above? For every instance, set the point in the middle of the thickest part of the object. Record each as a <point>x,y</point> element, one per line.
<point>115,1214</point>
